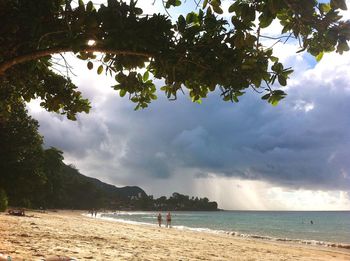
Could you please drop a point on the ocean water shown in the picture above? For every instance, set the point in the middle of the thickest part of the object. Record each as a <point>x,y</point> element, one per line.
<point>329,228</point>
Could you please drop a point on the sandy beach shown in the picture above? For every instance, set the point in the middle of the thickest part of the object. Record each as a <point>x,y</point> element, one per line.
<point>69,233</point>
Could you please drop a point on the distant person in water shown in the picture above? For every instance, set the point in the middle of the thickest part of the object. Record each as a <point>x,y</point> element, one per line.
<point>168,220</point>
<point>159,218</point>
<point>311,222</point>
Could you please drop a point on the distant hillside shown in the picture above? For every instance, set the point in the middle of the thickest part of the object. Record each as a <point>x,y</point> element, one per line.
<point>76,191</point>
<point>71,189</point>
<point>58,185</point>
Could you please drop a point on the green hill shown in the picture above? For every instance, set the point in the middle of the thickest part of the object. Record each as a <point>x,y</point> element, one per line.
<point>70,189</point>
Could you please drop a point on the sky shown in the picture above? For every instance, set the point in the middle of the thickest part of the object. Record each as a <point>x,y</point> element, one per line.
<point>247,155</point>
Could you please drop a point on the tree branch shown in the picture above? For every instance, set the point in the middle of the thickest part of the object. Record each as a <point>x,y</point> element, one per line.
<point>4,66</point>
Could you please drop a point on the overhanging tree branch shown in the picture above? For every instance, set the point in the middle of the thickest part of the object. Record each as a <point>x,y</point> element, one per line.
<point>196,52</point>
<point>4,66</point>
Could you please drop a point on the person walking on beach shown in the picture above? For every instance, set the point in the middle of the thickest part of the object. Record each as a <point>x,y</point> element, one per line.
<point>159,219</point>
<point>168,220</point>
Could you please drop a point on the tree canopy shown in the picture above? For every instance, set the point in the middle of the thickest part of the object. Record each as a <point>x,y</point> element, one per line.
<point>21,157</point>
<point>195,53</point>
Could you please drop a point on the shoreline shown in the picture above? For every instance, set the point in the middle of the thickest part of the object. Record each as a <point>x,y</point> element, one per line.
<point>73,234</point>
<point>297,241</point>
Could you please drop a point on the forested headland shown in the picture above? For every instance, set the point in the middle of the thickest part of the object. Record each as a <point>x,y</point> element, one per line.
<point>34,177</point>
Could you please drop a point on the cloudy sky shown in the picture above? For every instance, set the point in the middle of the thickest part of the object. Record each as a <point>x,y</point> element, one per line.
<point>248,155</point>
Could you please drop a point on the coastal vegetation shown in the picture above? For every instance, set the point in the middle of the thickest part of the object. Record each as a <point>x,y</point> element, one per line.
<point>32,176</point>
<point>176,201</point>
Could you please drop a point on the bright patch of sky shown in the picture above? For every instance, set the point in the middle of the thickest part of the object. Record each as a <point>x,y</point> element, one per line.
<point>248,155</point>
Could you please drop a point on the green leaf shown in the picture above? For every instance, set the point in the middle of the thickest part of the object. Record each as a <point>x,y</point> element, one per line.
<point>232,8</point>
<point>90,65</point>
<point>116,87</point>
<point>325,8</point>
<point>89,6</point>
<point>215,3</point>
<point>100,69</point>
<point>274,59</point>
<point>265,20</point>
<point>122,92</point>
<point>282,80</point>
<point>266,96</point>
<point>217,9</point>
<point>279,92</point>
<point>287,71</point>
<point>181,23</point>
<point>120,77</point>
<point>227,98</point>
<point>191,18</point>
<point>212,88</point>
<point>205,3</point>
<point>277,67</point>
<point>319,56</point>
<point>274,102</point>
<point>145,76</point>
<point>209,11</point>
<point>138,11</point>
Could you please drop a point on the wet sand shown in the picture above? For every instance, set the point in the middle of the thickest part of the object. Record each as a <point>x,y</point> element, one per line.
<point>69,233</point>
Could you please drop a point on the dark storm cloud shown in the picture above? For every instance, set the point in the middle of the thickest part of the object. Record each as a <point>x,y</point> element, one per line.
<point>72,137</point>
<point>302,143</point>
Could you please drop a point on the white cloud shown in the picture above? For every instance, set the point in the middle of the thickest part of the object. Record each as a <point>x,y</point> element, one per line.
<point>305,106</point>
<point>234,193</point>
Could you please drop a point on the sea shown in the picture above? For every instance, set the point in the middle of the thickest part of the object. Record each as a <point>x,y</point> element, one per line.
<point>326,228</point>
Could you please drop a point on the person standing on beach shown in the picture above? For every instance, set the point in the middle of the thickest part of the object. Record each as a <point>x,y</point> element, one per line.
<point>168,220</point>
<point>159,219</point>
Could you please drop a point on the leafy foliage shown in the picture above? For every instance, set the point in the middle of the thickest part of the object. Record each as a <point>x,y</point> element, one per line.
<point>199,52</point>
<point>175,202</point>
<point>183,202</point>
<point>20,157</point>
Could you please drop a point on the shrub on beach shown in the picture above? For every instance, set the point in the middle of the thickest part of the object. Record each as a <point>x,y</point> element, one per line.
<point>3,200</point>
